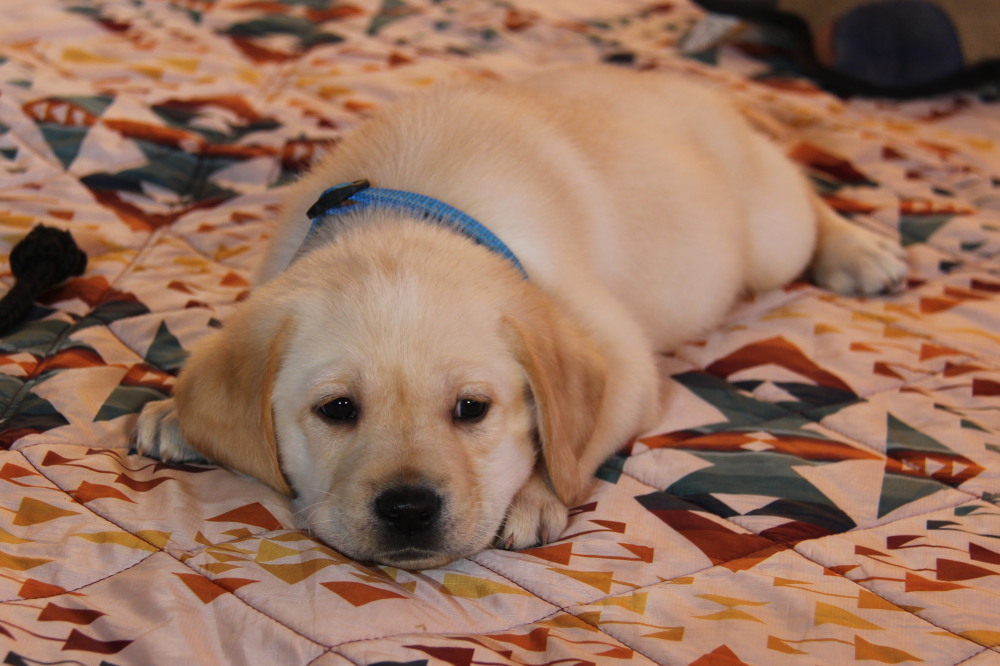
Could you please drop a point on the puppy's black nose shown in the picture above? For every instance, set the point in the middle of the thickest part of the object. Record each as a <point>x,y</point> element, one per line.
<point>408,509</point>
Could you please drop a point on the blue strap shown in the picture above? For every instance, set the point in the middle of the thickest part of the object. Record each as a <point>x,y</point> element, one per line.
<point>359,195</point>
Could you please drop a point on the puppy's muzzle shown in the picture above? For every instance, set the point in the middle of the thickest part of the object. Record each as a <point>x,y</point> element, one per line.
<point>409,515</point>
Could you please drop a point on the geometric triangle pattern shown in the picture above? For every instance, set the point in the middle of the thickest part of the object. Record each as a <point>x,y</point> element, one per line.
<point>823,485</point>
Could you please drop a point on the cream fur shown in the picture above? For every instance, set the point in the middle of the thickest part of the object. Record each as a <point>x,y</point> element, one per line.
<point>641,206</point>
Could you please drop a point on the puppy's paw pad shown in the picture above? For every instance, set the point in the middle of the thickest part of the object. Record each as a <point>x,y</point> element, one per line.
<point>536,516</point>
<point>859,262</point>
<point>158,434</point>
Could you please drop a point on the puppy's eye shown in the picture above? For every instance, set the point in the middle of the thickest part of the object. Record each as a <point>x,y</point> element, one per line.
<point>342,410</point>
<point>469,410</point>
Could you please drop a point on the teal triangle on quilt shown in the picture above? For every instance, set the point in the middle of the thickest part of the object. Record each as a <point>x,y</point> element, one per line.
<point>182,114</point>
<point>923,455</point>
<point>738,408</point>
<point>123,307</point>
<point>184,174</point>
<point>946,408</point>
<point>24,412</point>
<point>612,468</point>
<point>917,229</point>
<point>179,171</point>
<point>203,188</point>
<point>36,313</point>
<point>946,266</point>
<point>824,185</point>
<point>126,400</point>
<point>708,57</point>
<point>36,338</point>
<point>95,105</point>
<point>828,516</point>
<point>664,500</point>
<point>29,404</point>
<point>972,510</point>
<point>38,409</point>
<point>765,474</point>
<point>9,388</point>
<point>818,401</point>
<point>22,425</point>
<point>972,425</point>
<point>94,13</point>
<point>65,138</point>
<point>165,351</point>
<point>271,24</point>
<point>391,11</point>
<point>901,436</point>
<point>899,490</point>
<point>305,30</point>
<point>8,152</point>
<point>744,412</point>
<point>124,181</point>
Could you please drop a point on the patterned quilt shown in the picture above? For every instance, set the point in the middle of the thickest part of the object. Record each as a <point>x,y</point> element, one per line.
<point>824,486</point>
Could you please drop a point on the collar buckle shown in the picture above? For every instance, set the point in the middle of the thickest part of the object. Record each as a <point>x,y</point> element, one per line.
<point>336,197</point>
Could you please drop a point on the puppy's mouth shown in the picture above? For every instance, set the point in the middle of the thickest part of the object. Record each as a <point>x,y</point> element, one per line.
<point>408,526</point>
<point>414,558</point>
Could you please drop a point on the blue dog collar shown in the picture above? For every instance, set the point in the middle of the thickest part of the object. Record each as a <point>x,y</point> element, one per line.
<point>360,195</point>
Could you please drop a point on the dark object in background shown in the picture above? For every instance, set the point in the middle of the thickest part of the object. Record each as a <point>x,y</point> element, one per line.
<point>896,48</point>
<point>896,44</point>
<point>43,259</point>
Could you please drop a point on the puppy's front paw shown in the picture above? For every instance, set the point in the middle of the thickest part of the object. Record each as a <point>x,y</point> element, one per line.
<point>158,434</point>
<point>536,516</point>
<point>855,261</point>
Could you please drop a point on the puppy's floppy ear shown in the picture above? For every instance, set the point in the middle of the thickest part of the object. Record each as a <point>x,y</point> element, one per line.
<point>567,376</point>
<point>223,395</point>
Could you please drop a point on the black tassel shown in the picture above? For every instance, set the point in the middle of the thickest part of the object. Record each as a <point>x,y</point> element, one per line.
<point>43,259</point>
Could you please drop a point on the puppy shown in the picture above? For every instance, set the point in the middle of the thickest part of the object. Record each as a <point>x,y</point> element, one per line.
<point>439,357</point>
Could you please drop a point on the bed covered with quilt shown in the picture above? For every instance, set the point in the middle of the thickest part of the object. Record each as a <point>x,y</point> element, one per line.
<point>823,488</point>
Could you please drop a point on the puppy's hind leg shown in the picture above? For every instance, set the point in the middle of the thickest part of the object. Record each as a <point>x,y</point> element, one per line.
<point>158,434</point>
<point>852,260</point>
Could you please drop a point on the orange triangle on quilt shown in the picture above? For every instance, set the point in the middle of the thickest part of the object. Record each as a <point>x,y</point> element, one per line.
<point>88,492</point>
<point>360,594</point>
<point>205,589</point>
<point>249,514</point>
<point>865,651</point>
<point>559,553</point>
<point>720,656</point>
<point>915,583</point>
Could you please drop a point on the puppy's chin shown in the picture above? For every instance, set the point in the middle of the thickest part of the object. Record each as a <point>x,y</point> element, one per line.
<point>366,546</point>
<point>414,560</point>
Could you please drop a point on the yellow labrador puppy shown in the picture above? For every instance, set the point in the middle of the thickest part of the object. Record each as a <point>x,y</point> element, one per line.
<point>457,317</point>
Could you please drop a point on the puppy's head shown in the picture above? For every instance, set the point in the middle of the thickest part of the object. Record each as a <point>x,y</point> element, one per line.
<point>403,387</point>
